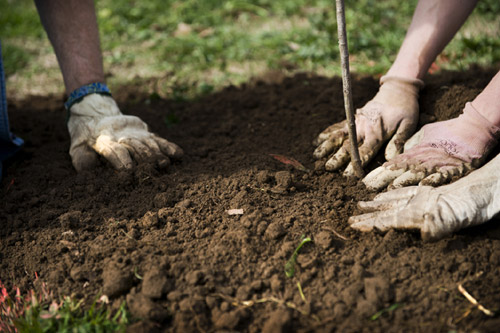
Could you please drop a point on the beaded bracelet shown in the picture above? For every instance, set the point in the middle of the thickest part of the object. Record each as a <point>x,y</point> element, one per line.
<point>92,88</point>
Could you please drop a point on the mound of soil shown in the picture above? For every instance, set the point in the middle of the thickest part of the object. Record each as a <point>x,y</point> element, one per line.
<point>163,241</point>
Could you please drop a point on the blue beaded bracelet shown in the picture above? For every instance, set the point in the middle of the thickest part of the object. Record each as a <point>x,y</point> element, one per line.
<point>92,88</point>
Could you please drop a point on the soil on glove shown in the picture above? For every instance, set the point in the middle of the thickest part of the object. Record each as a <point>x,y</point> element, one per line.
<point>163,241</point>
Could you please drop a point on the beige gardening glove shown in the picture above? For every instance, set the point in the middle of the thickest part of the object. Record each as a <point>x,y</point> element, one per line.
<point>392,115</point>
<point>438,152</point>
<point>96,126</point>
<point>436,212</point>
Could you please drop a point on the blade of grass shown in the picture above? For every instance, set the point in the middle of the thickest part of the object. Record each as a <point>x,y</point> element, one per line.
<point>389,309</point>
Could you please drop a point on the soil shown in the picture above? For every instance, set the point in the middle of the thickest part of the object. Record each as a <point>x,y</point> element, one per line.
<point>163,241</point>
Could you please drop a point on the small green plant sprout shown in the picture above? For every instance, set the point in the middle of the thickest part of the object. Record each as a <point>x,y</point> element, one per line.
<point>136,274</point>
<point>290,265</point>
<point>388,309</point>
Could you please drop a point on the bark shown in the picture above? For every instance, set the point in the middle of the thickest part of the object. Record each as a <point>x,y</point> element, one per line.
<point>346,83</point>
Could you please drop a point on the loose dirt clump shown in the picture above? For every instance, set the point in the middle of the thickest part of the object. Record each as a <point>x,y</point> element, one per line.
<point>164,242</point>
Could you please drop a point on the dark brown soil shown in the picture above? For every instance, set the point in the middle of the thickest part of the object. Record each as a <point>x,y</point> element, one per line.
<point>163,241</point>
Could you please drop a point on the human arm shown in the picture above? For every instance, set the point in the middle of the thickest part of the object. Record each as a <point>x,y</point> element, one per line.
<point>95,123</point>
<point>433,25</point>
<point>448,149</point>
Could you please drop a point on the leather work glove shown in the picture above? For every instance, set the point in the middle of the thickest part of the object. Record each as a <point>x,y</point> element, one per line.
<point>436,212</point>
<point>391,115</point>
<point>438,152</point>
<point>96,126</point>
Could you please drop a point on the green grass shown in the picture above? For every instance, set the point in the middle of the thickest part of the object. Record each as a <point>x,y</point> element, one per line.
<point>227,42</point>
<point>39,312</point>
<point>69,316</point>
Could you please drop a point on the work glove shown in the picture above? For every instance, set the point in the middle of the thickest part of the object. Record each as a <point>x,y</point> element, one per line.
<point>438,152</point>
<point>391,115</point>
<point>436,212</point>
<point>96,126</point>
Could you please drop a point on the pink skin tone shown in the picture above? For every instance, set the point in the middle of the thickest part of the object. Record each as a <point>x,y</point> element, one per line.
<point>72,29</point>
<point>450,148</point>
<point>434,24</point>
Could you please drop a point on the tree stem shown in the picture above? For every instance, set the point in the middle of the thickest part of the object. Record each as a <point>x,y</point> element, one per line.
<point>346,83</point>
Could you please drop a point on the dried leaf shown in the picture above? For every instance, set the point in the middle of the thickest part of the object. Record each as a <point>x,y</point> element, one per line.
<point>291,161</point>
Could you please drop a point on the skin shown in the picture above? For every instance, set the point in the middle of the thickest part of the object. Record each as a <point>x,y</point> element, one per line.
<point>426,38</point>
<point>96,125</point>
<point>474,199</point>
<point>72,29</point>
<point>428,35</point>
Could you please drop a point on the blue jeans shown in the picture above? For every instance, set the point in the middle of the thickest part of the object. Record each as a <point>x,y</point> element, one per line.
<point>9,143</point>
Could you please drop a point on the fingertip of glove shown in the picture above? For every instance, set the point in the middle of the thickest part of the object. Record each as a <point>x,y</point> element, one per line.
<point>391,151</point>
<point>349,171</point>
<point>83,159</point>
<point>163,163</point>
<point>172,150</point>
<point>331,165</point>
<point>178,153</point>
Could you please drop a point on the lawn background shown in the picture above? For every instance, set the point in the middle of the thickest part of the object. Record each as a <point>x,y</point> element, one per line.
<point>185,48</point>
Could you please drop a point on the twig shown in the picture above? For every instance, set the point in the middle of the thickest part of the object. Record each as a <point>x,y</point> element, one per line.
<point>336,233</point>
<point>346,83</point>
<point>474,301</point>
<point>272,299</point>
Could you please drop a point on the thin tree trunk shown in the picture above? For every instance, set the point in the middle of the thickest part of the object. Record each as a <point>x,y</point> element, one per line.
<point>346,82</point>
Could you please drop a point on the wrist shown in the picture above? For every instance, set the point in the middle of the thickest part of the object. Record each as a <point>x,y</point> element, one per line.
<point>94,106</point>
<point>77,95</point>
<point>485,135</point>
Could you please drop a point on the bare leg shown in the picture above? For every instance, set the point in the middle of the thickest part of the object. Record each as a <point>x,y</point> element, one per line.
<point>72,29</point>
<point>433,25</point>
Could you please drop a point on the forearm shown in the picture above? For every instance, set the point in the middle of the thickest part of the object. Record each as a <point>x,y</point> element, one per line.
<point>488,101</point>
<point>433,25</point>
<point>71,26</point>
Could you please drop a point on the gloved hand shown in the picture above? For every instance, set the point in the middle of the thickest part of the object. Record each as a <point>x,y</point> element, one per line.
<point>96,125</point>
<point>436,212</point>
<point>438,152</point>
<point>391,114</point>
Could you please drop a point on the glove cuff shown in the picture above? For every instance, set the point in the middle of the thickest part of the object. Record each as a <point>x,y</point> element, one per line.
<point>402,80</point>
<point>485,134</point>
<point>78,94</point>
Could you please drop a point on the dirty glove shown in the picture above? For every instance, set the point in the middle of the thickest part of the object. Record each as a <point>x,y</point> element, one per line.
<point>391,114</point>
<point>438,152</point>
<point>436,212</point>
<point>96,125</point>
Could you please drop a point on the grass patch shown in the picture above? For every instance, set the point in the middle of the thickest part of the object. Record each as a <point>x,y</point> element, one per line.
<point>40,312</point>
<point>212,43</point>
